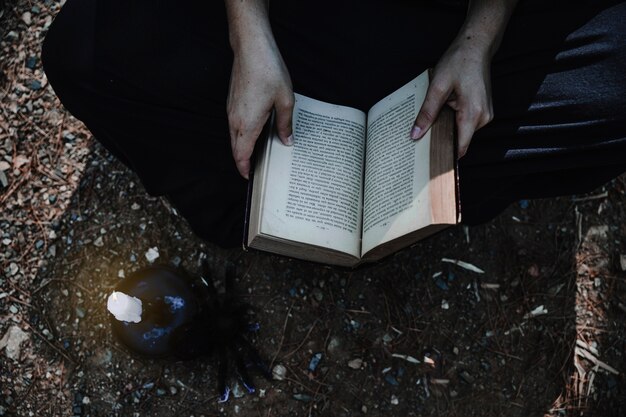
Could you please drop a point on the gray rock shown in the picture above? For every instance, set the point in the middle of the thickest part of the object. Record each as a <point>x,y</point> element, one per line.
<point>12,341</point>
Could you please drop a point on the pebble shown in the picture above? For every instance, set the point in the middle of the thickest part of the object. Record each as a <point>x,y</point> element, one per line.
<point>394,400</point>
<point>355,363</point>
<point>237,391</point>
<point>302,397</point>
<point>152,254</point>
<point>52,199</point>
<point>27,18</point>
<point>176,261</point>
<point>34,85</point>
<point>334,345</point>
<point>467,377</point>
<point>315,361</point>
<point>135,206</point>
<point>442,284</point>
<point>391,379</point>
<point>31,62</point>
<point>120,274</point>
<point>160,392</point>
<point>173,390</point>
<point>279,372</point>
<point>99,242</point>
<point>39,244</point>
<point>80,312</point>
<point>69,137</point>
<point>13,309</point>
<point>12,341</point>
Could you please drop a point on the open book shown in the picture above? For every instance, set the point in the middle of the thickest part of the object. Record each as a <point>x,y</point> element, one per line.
<point>354,187</point>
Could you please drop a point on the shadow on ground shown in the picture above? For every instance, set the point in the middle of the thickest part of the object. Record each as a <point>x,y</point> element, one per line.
<point>480,353</point>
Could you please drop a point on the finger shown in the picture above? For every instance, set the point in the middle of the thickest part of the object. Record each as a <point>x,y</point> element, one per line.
<point>284,114</point>
<point>436,96</point>
<point>466,124</point>
<point>485,118</point>
<point>242,151</point>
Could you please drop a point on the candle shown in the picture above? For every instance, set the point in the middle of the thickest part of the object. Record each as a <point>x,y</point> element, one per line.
<point>124,307</point>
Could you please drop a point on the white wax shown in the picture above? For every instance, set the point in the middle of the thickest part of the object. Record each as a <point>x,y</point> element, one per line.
<point>124,307</point>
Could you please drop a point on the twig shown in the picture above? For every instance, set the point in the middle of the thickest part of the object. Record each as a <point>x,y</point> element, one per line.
<point>282,337</point>
<point>302,342</point>
<point>52,345</point>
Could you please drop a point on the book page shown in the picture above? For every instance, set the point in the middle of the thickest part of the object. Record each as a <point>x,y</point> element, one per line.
<point>397,169</point>
<point>313,189</point>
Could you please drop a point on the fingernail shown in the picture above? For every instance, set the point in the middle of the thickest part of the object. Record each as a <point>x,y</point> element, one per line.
<point>289,140</point>
<point>415,132</point>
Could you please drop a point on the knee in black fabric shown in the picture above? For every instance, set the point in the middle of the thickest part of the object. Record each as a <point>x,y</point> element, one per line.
<point>214,208</point>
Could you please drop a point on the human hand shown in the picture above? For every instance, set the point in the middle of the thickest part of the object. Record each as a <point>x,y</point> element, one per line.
<point>259,82</point>
<point>462,80</point>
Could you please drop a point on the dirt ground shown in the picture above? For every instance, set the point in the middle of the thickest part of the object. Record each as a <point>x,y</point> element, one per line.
<point>541,332</point>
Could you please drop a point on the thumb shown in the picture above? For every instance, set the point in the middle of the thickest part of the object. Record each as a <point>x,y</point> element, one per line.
<point>284,114</point>
<point>436,96</point>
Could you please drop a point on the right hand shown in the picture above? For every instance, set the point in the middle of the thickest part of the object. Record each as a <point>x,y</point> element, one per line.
<point>259,82</point>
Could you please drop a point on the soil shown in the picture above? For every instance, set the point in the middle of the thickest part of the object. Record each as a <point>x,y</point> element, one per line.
<point>541,331</point>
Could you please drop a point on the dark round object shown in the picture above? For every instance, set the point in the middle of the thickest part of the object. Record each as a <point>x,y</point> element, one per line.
<point>169,305</point>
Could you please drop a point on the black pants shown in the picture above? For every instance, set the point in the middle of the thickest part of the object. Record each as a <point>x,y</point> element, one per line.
<point>150,79</point>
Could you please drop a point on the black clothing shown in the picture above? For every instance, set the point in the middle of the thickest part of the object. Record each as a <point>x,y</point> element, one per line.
<point>150,80</point>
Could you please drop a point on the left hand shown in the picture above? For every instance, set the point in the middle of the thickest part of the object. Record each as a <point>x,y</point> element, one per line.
<point>462,80</point>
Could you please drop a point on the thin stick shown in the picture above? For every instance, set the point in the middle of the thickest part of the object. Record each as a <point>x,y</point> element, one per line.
<point>282,337</point>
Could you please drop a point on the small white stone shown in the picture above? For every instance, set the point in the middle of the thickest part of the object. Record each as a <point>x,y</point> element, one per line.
<point>27,18</point>
<point>394,400</point>
<point>135,206</point>
<point>120,274</point>
<point>355,363</point>
<point>445,305</point>
<point>12,341</point>
<point>152,254</point>
<point>99,242</point>
<point>279,372</point>
<point>86,400</point>
<point>622,262</point>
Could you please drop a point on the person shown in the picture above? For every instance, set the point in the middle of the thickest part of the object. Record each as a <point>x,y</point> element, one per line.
<point>538,88</point>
